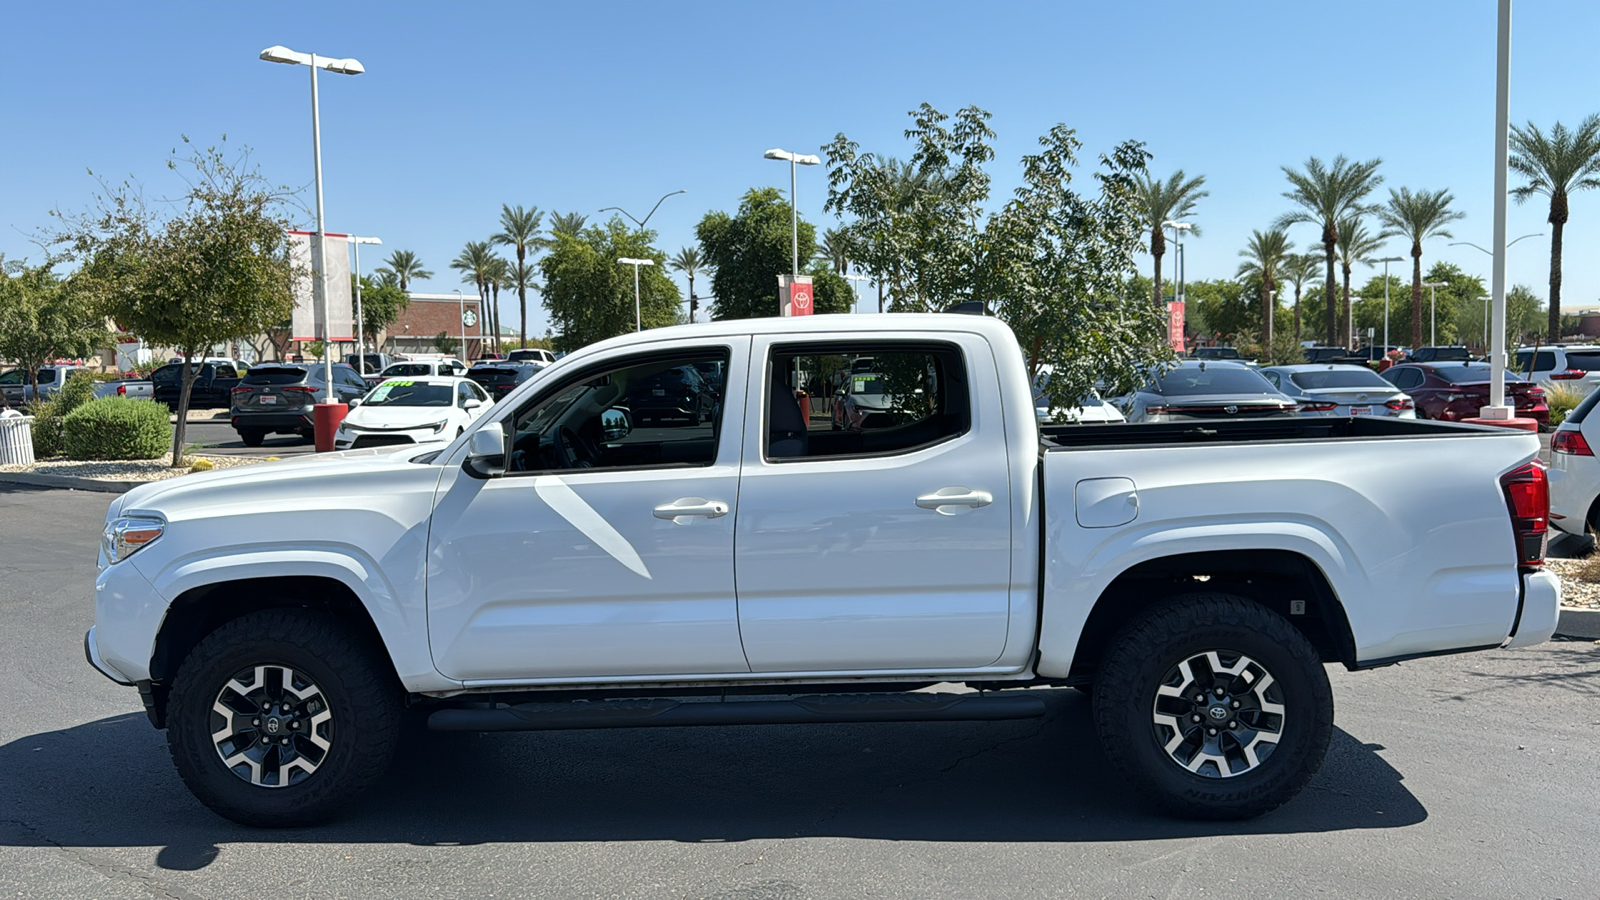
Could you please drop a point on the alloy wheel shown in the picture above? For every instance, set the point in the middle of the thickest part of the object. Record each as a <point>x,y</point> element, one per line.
<point>271,726</point>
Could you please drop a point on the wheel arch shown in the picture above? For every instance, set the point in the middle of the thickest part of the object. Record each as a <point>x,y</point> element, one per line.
<point>1270,577</point>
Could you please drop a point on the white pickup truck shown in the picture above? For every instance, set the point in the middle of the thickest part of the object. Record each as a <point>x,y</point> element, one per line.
<point>561,566</point>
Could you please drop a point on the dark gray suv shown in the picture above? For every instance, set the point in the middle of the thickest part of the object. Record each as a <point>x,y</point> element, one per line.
<point>276,398</point>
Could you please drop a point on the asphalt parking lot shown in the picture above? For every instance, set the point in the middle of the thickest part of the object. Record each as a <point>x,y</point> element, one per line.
<point>1467,776</point>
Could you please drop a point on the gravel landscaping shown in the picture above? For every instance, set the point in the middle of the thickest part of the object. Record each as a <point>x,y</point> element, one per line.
<point>157,469</point>
<point>1577,590</point>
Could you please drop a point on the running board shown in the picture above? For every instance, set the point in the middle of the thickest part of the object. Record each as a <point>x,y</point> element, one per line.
<point>816,709</point>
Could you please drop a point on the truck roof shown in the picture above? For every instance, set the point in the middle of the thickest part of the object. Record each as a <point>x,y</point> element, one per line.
<point>842,323</point>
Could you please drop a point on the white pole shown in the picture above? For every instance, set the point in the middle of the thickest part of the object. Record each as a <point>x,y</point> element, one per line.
<point>638,323</point>
<point>361,334</point>
<point>1433,316</point>
<point>1386,307</point>
<point>318,283</point>
<point>794,224</point>
<point>461,317</point>
<point>1502,127</point>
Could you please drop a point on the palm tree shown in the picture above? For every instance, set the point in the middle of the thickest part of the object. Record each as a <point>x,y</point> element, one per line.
<point>499,277</point>
<point>520,276</point>
<point>1556,165</point>
<point>1325,195</point>
<point>476,267</point>
<point>568,224</point>
<point>520,228</point>
<point>383,275</point>
<point>1266,256</point>
<point>1163,201</point>
<point>406,266</point>
<point>1419,216</point>
<point>688,262</point>
<point>1356,245</point>
<point>1301,268</point>
<point>835,250</point>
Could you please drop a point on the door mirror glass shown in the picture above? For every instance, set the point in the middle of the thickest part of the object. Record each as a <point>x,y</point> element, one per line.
<point>486,451</point>
<point>615,424</point>
<point>355,402</point>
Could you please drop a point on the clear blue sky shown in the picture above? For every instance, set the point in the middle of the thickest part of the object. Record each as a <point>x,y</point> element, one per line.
<point>576,106</point>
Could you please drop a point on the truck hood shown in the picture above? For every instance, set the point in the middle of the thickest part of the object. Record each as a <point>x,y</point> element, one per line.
<point>286,481</point>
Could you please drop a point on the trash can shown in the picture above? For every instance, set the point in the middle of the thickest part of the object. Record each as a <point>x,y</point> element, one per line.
<point>16,441</point>
<point>325,419</point>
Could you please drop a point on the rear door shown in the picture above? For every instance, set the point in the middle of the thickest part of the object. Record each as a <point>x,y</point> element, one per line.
<point>884,543</point>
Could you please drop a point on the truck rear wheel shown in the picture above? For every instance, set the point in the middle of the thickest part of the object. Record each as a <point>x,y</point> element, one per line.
<point>281,718</point>
<point>1213,707</point>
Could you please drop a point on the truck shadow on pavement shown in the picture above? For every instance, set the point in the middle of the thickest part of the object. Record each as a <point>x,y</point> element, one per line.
<point>109,783</point>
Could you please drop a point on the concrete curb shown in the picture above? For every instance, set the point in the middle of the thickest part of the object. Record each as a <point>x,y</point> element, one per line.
<point>1579,623</point>
<point>69,482</point>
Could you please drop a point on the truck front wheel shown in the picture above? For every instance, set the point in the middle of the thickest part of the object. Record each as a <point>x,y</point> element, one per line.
<point>1213,707</point>
<point>280,718</point>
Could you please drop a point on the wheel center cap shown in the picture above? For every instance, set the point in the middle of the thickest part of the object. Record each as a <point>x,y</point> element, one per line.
<point>1217,713</point>
<point>273,725</point>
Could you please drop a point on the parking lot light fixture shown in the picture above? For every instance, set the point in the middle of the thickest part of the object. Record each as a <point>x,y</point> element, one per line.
<point>855,282</point>
<point>1433,311</point>
<point>281,54</point>
<point>461,317</point>
<point>1386,260</point>
<point>638,324</point>
<point>648,214</point>
<point>794,207</point>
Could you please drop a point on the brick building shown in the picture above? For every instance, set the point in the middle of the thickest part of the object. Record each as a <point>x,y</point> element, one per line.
<point>428,315</point>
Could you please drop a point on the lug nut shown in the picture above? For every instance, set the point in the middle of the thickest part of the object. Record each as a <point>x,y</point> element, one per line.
<point>284,741</point>
<point>1235,704</point>
<point>286,706</point>
<point>256,722</point>
<point>266,707</point>
<point>1233,724</point>
<point>1194,718</point>
<point>294,724</point>
<point>1220,692</point>
<point>1199,698</point>
<point>1211,731</point>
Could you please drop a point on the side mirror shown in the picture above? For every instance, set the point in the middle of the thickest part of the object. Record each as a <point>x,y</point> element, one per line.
<point>472,403</point>
<point>354,402</point>
<point>615,424</point>
<point>486,451</point>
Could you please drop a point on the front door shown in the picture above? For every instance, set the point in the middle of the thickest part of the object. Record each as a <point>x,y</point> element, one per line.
<point>606,549</point>
<point>879,537</point>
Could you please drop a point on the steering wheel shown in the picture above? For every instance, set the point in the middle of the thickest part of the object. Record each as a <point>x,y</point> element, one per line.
<point>574,451</point>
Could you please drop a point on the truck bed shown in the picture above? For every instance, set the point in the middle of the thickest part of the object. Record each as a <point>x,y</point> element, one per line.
<point>1100,437</point>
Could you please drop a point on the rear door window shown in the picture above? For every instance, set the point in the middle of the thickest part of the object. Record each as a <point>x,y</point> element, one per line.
<point>1585,361</point>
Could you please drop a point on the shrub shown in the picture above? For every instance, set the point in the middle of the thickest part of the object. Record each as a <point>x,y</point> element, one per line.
<point>202,465</point>
<point>78,390</point>
<point>46,428</point>
<point>117,428</point>
<point>1561,401</point>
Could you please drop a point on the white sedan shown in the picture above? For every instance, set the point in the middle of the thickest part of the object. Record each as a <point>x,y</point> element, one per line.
<point>412,411</point>
<point>1575,470</point>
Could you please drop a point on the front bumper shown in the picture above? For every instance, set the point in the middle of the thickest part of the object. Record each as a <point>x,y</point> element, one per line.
<point>346,439</point>
<point>91,652</point>
<point>1541,609</point>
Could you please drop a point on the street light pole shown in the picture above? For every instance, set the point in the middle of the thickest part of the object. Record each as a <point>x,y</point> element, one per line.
<point>856,286</point>
<point>794,207</point>
<point>319,291</point>
<point>1386,260</point>
<point>648,214</point>
<point>461,319</point>
<point>361,337</point>
<point>1497,408</point>
<point>1433,311</point>
<point>1489,252</point>
<point>638,323</point>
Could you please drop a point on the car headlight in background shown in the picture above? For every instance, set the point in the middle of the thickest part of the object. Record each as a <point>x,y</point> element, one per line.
<point>125,535</point>
<point>438,426</point>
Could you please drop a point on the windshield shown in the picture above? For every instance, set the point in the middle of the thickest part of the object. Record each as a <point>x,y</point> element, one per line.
<point>399,369</point>
<point>173,374</point>
<point>1217,353</point>
<point>866,384</point>
<point>1212,380</point>
<point>1339,378</point>
<point>410,393</point>
<point>12,377</point>
<point>526,354</point>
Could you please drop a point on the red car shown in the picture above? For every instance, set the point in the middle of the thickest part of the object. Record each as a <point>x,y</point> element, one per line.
<point>1452,391</point>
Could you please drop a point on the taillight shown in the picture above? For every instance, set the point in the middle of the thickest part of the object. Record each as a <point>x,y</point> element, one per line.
<point>1400,404</point>
<point>299,389</point>
<point>1535,393</point>
<point>1155,410</point>
<point>240,390</point>
<point>122,390</point>
<point>1568,375</point>
<point>1570,442</point>
<point>1528,500</point>
<point>1318,407</point>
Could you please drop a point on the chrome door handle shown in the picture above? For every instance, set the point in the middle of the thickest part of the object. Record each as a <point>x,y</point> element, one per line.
<point>955,496</point>
<point>691,506</point>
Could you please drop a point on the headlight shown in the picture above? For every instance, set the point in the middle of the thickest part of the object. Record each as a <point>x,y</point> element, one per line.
<point>438,426</point>
<point>127,534</point>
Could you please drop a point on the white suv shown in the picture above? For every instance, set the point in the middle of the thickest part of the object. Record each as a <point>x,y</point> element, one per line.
<point>1575,367</point>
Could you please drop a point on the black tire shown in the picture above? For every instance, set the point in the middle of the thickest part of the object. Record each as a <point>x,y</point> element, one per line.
<point>1150,649</point>
<point>360,698</point>
<point>252,437</point>
<point>308,437</point>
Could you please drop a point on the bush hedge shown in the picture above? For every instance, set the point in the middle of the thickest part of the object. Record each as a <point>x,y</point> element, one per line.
<point>49,414</point>
<point>117,428</point>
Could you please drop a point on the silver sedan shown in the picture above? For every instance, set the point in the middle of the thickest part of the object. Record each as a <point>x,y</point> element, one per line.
<point>1340,390</point>
<point>1206,390</point>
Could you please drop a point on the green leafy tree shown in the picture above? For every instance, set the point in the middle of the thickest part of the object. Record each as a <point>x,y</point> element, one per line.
<point>748,250</point>
<point>446,343</point>
<point>215,269</point>
<point>1265,258</point>
<point>1356,245</point>
<point>44,318</point>
<point>1300,271</point>
<point>917,225</point>
<point>406,267</point>
<point>1418,217</point>
<point>590,296</point>
<point>1165,201</point>
<point>1058,263</point>
<point>1223,305</point>
<point>1327,194</point>
<point>313,349</point>
<point>1555,166</point>
<point>382,304</point>
<point>689,262</point>
<point>522,230</point>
